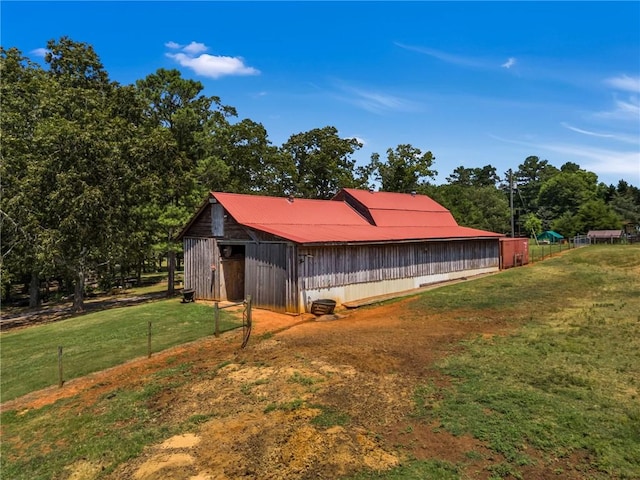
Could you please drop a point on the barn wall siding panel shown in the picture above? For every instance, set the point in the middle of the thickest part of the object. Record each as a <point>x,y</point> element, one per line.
<point>269,278</point>
<point>199,258</point>
<point>332,266</point>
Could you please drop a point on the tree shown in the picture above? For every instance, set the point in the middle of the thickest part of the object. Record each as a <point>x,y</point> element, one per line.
<point>81,155</point>
<point>567,191</point>
<point>594,214</point>
<point>405,170</point>
<point>484,208</point>
<point>532,224</point>
<point>322,162</point>
<point>529,178</point>
<point>24,239</point>
<point>253,164</point>
<point>180,119</point>
<point>474,177</point>
<point>71,183</point>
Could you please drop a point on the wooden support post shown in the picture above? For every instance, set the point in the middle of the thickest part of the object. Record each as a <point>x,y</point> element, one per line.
<point>149,341</point>
<point>60,374</point>
<point>216,319</point>
<point>249,310</point>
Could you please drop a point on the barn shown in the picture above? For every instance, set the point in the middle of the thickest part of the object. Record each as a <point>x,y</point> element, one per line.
<point>289,252</point>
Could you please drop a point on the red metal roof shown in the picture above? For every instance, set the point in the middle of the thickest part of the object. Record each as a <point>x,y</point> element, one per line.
<point>395,201</point>
<point>261,210</point>
<point>368,233</point>
<point>401,218</point>
<point>333,221</point>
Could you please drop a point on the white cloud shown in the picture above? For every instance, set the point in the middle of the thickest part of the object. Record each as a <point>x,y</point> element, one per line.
<point>624,82</point>
<point>194,48</point>
<point>602,161</point>
<point>377,102</point>
<point>628,109</point>
<point>40,52</point>
<point>212,66</point>
<point>586,132</point>
<point>509,63</point>
<point>444,56</point>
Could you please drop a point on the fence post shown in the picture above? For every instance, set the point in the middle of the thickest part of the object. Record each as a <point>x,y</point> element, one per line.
<point>249,310</point>
<point>216,319</point>
<point>149,341</point>
<point>60,375</point>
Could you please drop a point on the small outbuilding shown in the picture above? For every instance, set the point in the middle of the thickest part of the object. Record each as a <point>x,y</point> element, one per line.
<point>605,236</point>
<point>550,237</point>
<point>289,252</point>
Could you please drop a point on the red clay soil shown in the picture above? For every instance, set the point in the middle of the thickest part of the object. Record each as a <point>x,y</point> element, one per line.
<point>364,364</point>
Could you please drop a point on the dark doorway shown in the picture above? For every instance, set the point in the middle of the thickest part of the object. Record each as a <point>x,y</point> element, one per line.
<point>232,272</point>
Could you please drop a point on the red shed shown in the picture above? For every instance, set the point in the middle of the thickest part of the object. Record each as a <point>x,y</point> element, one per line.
<point>514,252</point>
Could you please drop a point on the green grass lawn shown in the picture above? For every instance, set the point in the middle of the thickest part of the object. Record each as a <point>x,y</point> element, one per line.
<point>99,340</point>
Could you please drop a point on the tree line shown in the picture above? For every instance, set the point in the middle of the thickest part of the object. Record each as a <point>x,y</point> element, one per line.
<point>98,177</point>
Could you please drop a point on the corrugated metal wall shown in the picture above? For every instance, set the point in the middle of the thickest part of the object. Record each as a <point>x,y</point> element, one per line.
<point>271,276</point>
<point>331,266</point>
<point>198,259</point>
<point>514,252</point>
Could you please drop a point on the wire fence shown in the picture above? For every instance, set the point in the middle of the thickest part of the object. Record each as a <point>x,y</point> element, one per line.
<point>541,251</point>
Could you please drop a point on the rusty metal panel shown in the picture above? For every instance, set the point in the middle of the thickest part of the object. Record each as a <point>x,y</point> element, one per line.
<point>514,252</point>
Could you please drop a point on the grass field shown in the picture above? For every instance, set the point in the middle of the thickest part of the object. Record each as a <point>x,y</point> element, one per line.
<point>97,341</point>
<point>568,381</point>
<point>561,386</point>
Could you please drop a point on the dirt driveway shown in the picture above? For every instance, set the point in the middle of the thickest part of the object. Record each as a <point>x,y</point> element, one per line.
<point>308,398</point>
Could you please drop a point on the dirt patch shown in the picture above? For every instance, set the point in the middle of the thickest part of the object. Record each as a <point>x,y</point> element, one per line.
<point>306,399</point>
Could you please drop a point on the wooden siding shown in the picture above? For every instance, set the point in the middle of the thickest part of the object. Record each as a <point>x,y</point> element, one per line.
<point>327,267</point>
<point>203,225</point>
<point>199,256</point>
<point>269,277</point>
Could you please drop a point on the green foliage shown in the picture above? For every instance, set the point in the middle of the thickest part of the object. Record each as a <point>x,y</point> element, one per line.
<point>532,224</point>
<point>567,191</point>
<point>484,208</point>
<point>405,170</point>
<point>474,177</point>
<point>323,162</point>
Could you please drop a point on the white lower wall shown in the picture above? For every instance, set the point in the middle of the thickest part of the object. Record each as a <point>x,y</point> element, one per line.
<point>359,291</point>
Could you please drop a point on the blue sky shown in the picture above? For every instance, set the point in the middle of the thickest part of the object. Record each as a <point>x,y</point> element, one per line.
<point>475,83</point>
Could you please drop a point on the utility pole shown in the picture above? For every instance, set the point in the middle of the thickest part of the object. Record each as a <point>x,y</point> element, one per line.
<point>513,230</point>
